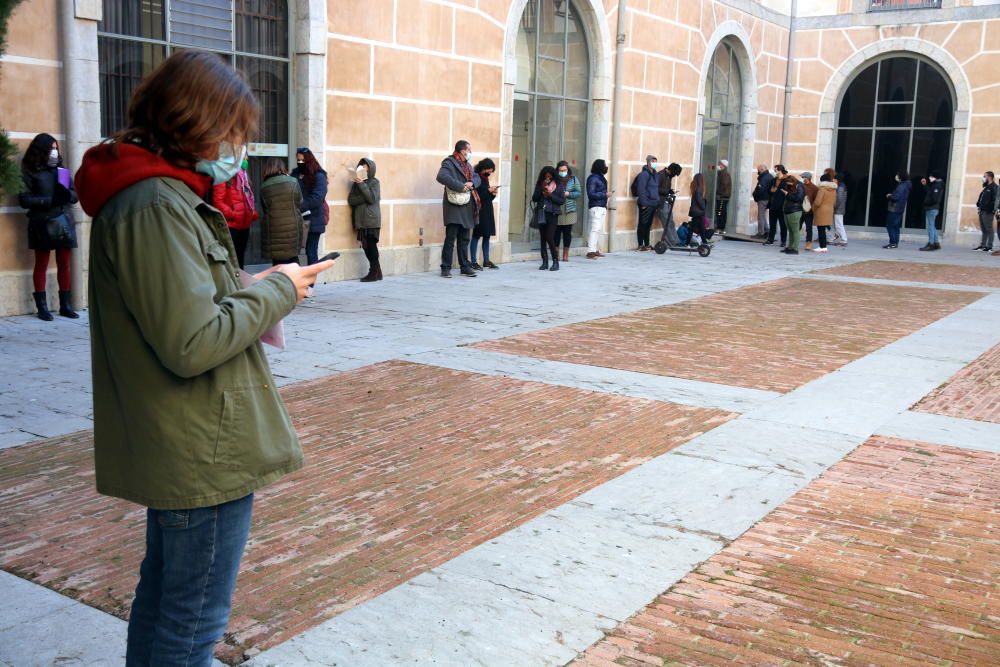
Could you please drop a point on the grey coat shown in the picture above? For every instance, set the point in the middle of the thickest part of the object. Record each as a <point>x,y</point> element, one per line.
<point>451,177</point>
<point>364,201</point>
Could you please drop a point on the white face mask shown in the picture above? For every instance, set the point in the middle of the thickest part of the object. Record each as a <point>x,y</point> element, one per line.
<point>224,168</point>
<point>985,180</point>
<point>654,165</point>
<point>897,179</point>
<point>362,172</point>
<point>931,179</point>
<point>53,157</point>
<point>563,174</point>
<point>468,156</point>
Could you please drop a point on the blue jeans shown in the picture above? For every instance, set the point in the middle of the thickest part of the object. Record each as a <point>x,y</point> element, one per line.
<point>932,233</point>
<point>312,248</point>
<point>892,224</point>
<point>186,583</point>
<point>486,249</point>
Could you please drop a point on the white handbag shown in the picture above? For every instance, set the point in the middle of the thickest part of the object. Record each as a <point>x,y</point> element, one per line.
<point>458,198</point>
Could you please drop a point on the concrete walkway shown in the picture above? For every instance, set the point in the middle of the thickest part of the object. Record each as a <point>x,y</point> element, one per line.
<point>545,591</point>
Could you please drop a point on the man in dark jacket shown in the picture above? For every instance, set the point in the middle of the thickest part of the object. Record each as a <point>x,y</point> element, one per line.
<point>460,206</point>
<point>761,195</point>
<point>933,195</point>
<point>647,193</point>
<point>987,206</point>
<point>776,206</point>
<point>665,212</point>
<point>723,193</point>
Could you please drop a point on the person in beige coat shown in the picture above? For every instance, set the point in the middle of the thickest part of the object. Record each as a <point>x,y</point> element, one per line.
<point>822,209</point>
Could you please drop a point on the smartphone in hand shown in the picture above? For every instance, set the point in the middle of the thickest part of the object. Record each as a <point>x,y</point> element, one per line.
<point>328,257</point>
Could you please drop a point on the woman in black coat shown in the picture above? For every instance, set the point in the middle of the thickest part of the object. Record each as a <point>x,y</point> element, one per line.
<point>548,200</point>
<point>47,195</point>
<point>486,225</point>
<point>313,181</point>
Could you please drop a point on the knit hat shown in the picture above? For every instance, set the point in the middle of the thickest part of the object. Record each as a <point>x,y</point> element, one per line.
<point>807,174</point>
<point>724,163</point>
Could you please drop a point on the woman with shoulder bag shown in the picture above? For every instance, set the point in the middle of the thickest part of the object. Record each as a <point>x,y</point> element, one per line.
<point>283,225</point>
<point>47,195</point>
<point>548,200</point>
<point>697,209</point>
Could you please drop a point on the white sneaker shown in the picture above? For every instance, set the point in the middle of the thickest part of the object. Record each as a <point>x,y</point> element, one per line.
<point>310,292</point>
<point>819,249</point>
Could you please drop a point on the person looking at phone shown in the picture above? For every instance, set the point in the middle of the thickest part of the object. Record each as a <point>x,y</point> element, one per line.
<point>187,419</point>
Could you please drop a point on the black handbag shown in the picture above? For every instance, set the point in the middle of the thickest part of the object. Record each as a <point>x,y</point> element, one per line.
<point>537,214</point>
<point>60,231</point>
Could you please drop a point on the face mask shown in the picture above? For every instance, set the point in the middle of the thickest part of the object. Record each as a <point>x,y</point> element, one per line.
<point>985,180</point>
<point>897,179</point>
<point>223,169</point>
<point>362,172</point>
<point>53,157</point>
<point>468,156</point>
<point>563,174</point>
<point>654,165</point>
<point>932,179</point>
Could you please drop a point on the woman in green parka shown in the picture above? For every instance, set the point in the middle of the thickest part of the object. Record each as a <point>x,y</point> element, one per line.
<point>283,228</point>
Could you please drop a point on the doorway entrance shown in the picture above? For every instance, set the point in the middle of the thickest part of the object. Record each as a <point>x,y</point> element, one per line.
<point>720,135</point>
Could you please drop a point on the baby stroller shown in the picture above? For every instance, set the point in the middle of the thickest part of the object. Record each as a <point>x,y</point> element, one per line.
<point>691,241</point>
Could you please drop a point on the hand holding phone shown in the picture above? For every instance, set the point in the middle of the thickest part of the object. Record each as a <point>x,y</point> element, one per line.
<point>328,257</point>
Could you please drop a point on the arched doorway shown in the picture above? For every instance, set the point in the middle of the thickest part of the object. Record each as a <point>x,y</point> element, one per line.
<point>551,104</point>
<point>721,131</point>
<point>896,113</point>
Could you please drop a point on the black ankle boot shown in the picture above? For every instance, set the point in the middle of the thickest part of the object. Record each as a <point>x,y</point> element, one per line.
<point>66,305</point>
<point>42,306</point>
<point>555,264</point>
<point>545,258</point>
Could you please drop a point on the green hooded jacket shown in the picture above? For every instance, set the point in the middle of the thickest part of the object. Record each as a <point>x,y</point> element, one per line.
<point>186,413</point>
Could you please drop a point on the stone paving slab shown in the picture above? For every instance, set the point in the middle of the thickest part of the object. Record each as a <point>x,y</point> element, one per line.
<point>408,466</point>
<point>972,393</point>
<point>889,558</point>
<point>942,430</point>
<point>944,274</point>
<point>773,336</point>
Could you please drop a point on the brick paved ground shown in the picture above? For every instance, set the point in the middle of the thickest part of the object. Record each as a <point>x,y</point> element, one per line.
<point>944,274</point>
<point>890,558</point>
<point>774,336</point>
<point>408,466</point>
<point>972,393</point>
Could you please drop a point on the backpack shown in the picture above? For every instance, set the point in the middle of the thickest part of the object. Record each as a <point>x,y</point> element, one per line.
<point>634,188</point>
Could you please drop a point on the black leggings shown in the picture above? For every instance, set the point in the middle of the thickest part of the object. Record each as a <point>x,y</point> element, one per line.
<point>548,233</point>
<point>777,222</point>
<point>369,243</point>
<point>240,239</point>
<point>564,233</point>
<point>821,232</point>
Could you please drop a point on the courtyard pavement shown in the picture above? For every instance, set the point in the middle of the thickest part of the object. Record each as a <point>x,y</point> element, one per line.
<point>748,458</point>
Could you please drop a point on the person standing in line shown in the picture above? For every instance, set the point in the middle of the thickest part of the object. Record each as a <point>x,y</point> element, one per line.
<point>776,207</point>
<point>795,194</point>
<point>723,193</point>
<point>47,195</point>
<point>698,210</point>
<point>314,183</point>
<point>188,421</point>
<point>597,207</point>
<point>647,194</point>
<point>761,195</point>
<point>987,208</point>
<point>460,205</point>
<point>235,201</point>
<point>933,196</point>
<point>807,216</point>
<point>486,225</point>
<point>549,199</point>
<point>839,208</point>
<point>572,191</point>
<point>366,214</point>
<point>283,237</point>
<point>668,196</point>
<point>897,206</point>
<point>823,206</point>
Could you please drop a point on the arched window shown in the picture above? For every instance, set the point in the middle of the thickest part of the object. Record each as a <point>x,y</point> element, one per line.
<point>720,134</point>
<point>252,35</point>
<point>551,101</point>
<point>897,113</point>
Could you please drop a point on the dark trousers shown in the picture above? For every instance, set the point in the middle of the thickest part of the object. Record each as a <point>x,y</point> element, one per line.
<point>455,234</point>
<point>369,244</point>
<point>646,214</point>
<point>312,248</point>
<point>186,583</point>
<point>777,219</point>
<point>807,220</point>
<point>240,239</point>
<point>721,214</point>
<point>564,233</point>
<point>892,224</point>
<point>821,232</point>
<point>548,234</point>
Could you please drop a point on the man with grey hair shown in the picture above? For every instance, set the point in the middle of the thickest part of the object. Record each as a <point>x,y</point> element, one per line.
<point>646,190</point>
<point>761,195</point>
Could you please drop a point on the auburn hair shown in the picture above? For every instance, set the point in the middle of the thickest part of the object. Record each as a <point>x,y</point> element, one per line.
<point>189,105</point>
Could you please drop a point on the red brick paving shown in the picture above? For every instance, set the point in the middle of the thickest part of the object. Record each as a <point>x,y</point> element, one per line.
<point>407,467</point>
<point>942,274</point>
<point>890,558</point>
<point>972,393</point>
<point>776,335</point>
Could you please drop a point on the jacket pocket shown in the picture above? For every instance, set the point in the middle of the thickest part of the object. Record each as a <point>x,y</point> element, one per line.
<point>254,431</point>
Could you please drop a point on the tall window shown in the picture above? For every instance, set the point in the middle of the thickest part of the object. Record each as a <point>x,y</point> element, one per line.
<point>252,35</point>
<point>551,101</point>
<point>720,133</point>
<point>896,114</point>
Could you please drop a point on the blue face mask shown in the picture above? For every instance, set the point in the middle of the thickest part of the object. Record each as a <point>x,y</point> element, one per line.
<point>225,168</point>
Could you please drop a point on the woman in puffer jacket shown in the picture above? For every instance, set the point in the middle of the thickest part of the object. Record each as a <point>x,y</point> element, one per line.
<point>283,227</point>
<point>235,201</point>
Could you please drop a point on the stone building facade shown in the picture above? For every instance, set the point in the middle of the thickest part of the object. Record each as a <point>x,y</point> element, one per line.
<point>531,81</point>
